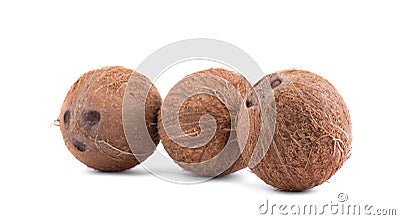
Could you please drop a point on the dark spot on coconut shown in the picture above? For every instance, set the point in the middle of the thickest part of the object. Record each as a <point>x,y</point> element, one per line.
<point>67,118</point>
<point>79,146</point>
<point>275,82</point>
<point>91,117</point>
<point>249,102</point>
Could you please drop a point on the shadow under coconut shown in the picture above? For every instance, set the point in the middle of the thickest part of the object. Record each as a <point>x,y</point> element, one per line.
<point>233,177</point>
<point>131,172</point>
<point>258,185</point>
<point>179,176</point>
<point>303,192</point>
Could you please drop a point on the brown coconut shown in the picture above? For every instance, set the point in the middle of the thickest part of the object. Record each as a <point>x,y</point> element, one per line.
<point>190,112</point>
<point>91,119</point>
<point>312,134</point>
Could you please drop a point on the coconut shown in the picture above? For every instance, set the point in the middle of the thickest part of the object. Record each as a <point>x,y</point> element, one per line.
<point>312,133</point>
<point>199,123</point>
<point>91,119</point>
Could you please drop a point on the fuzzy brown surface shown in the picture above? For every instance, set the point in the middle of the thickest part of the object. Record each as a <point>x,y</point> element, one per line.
<point>189,115</point>
<point>312,135</point>
<point>91,119</point>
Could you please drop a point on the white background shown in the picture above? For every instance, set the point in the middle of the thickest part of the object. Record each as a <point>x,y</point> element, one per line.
<point>46,45</point>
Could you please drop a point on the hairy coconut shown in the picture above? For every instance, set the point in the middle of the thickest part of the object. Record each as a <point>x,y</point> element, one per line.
<point>312,134</point>
<point>91,119</point>
<point>218,93</point>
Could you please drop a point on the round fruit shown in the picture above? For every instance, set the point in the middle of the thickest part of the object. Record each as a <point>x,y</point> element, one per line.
<point>312,133</point>
<point>199,124</point>
<point>91,119</point>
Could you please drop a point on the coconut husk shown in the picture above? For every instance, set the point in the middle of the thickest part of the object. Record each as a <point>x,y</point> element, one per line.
<point>91,119</point>
<point>220,94</point>
<point>312,134</point>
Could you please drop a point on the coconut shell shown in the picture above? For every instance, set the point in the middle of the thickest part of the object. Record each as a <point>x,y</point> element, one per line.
<point>312,133</point>
<point>220,156</point>
<point>91,119</point>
